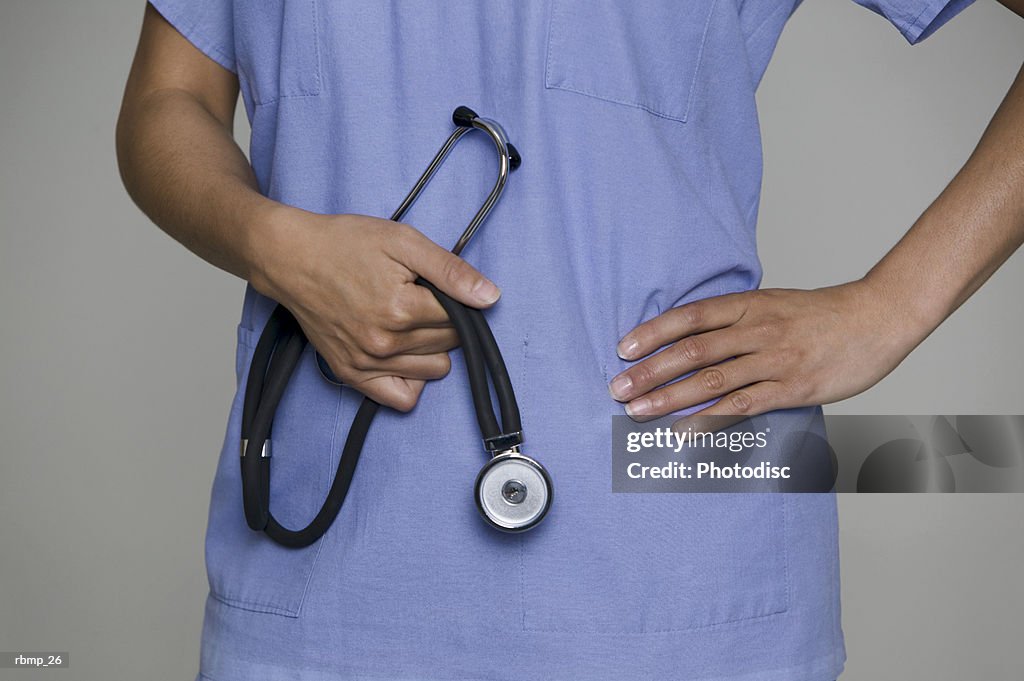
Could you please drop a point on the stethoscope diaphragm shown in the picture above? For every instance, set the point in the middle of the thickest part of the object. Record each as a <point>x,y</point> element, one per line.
<point>513,492</point>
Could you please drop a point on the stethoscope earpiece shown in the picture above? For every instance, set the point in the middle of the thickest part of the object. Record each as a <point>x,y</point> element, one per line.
<point>513,492</point>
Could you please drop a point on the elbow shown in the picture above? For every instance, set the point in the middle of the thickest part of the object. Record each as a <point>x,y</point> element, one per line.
<point>124,131</point>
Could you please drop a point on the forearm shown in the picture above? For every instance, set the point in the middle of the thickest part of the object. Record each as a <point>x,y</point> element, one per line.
<point>966,234</point>
<point>184,170</point>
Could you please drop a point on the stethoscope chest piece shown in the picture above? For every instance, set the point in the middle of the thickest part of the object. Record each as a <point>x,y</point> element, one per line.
<point>513,492</point>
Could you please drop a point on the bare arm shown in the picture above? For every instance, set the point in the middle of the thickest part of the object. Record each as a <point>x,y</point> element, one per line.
<point>970,229</point>
<point>177,156</point>
<point>788,348</point>
<point>348,279</point>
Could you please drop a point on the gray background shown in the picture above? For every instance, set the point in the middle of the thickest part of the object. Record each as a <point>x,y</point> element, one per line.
<point>112,406</point>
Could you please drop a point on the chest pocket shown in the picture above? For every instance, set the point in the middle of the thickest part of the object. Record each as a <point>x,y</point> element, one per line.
<point>278,47</point>
<point>644,54</point>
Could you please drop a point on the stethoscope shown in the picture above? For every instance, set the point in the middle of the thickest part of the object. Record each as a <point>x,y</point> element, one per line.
<point>513,492</point>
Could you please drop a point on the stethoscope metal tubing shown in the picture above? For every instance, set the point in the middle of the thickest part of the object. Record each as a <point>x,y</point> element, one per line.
<point>508,160</point>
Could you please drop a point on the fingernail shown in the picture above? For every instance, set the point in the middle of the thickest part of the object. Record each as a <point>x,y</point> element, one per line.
<point>627,346</point>
<point>486,292</point>
<point>620,386</point>
<point>638,408</point>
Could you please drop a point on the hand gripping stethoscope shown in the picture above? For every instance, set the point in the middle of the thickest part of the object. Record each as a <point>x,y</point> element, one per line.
<point>513,492</point>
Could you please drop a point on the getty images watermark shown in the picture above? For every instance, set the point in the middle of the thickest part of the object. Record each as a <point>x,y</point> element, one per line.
<point>803,451</point>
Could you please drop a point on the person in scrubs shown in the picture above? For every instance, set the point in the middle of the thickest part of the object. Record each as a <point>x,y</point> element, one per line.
<point>621,258</point>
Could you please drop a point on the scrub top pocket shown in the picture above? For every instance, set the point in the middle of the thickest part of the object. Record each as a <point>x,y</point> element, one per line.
<point>245,568</point>
<point>644,54</point>
<point>278,49</point>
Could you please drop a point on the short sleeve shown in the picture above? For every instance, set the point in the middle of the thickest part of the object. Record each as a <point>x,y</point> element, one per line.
<point>916,19</point>
<point>207,24</point>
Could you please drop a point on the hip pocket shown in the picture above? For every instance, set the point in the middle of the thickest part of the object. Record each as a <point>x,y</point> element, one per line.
<point>246,569</point>
<point>644,563</point>
<point>278,48</point>
<point>654,563</point>
<point>645,54</point>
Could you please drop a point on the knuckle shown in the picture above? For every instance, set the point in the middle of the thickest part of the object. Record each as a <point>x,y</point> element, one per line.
<point>642,375</point>
<point>379,344</point>
<point>450,341</point>
<point>786,355</point>
<point>768,328</point>
<point>693,349</point>
<point>712,379</point>
<point>399,237</point>
<point>760,296</point>
<point>408,398</point>
<point>741,401</point>
<point>361,361</point>
<point>404,402</point>
<point>658,406</point>
<point>693,314</point>
<point>455,271</point>
<point>399,312</point>
<point>443,366</point>
<point>396,230</point>
<point>391,233</point>
<point>800,389</point>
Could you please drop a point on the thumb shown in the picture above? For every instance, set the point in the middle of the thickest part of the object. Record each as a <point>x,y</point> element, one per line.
<point>447,271</point>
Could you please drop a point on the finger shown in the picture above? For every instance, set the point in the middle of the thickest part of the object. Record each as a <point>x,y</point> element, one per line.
<point>448,272</point>
<point>425,341</point>
<point>685,320</point>
<point>428,341</point>
<point>705,384</point>
<point>690,353</point>
<point>392,391</point>
<point>736,406</point>
<point>418,308</point>
<point>418,367</point>
<point>706,423</point>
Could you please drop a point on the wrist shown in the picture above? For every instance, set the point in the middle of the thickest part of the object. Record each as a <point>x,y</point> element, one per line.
<point>274,234</point>
<point>904,313</point>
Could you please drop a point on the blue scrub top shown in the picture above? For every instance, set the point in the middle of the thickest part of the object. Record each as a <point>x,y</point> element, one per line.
<point>638,192</point>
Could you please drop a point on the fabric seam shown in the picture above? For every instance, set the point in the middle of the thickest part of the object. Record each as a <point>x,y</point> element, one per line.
<point>252,606</point>
<point>634,103</point>
<point>915,29</point>
<point>299,94</point>
<point>198,40</point>
<point>522,539</point>
<point>810,665</point>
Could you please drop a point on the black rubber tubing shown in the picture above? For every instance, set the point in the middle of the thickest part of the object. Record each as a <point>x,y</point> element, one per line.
<point>298,539</point>
<point>510,418</point>
<point>255,468</point>
<point>473,357</point>
<point>275,357</point>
